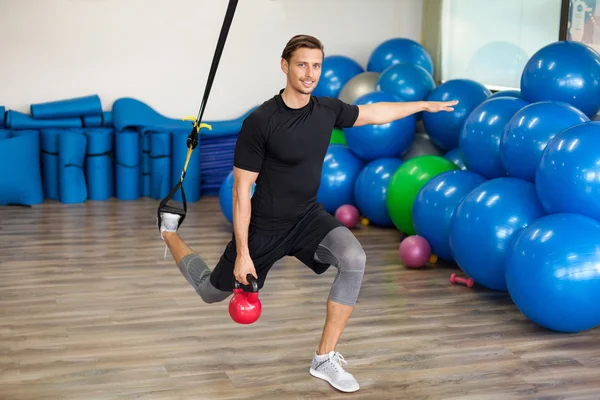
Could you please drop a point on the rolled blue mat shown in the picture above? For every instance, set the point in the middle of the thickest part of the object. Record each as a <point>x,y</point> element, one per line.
<point>75,107</point>
<point>145,182</point>
<point>160,157</point>
<point>49,149</point>
<point>18,120</point>
<point>98,164</point>
<point>127,157</point>
<point>72,187</point>
<point>191,183</point>
<point>132,113</point>
<point>100,120</point>
<point>20,177</point>
<point>2,116</point>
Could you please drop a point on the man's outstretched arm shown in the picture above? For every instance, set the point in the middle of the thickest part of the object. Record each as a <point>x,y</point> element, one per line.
<point>385,112</point>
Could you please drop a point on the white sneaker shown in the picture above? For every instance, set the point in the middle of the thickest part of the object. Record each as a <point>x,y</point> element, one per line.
<point>328,368</point>
<point>169,223</point>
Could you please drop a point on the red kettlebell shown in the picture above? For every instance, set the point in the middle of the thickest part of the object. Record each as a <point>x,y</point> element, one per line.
<point>244,306</point>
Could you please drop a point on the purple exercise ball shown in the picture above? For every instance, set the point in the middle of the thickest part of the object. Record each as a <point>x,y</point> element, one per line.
<point>415,251</point>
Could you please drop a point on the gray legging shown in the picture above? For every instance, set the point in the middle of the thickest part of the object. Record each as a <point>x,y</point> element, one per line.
<point>339,248</point>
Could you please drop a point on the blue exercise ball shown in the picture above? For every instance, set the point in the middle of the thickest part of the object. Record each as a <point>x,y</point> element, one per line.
<point>370,190</point>
<point>226,196</point>
<point>485,223</point>
<point>396,51</point>
<point>371,141</point>
<point>507,93</point>
<point>552,272</point>
<point>444,127</point>
<point>568,177</point>
<point>455,156</point>
<point>336,71</point>
<point>338,175</point>
<point>564,71</point>
<point>528,132</point>
<point>411,82</point>
<point>435,205</point>
<point>479,139</point>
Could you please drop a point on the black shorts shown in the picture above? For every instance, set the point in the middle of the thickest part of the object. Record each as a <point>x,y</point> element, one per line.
<point>266,248</point>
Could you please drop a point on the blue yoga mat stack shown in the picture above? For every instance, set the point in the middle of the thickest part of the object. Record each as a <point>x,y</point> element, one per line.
<point>72,151</point>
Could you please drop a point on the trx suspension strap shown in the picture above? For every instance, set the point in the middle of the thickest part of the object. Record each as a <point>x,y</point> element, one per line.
<point>192,140</point>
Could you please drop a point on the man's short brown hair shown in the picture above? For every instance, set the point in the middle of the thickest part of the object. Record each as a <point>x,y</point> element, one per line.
<point>300,41</point>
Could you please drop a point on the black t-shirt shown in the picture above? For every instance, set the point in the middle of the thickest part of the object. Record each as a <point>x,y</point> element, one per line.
<point>287,148</point>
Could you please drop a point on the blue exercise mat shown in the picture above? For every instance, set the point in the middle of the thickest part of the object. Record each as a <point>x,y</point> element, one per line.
<point>127,159</point>
<point>2,116</point>
<point>98,164</point>
<point>99,120</point>
<point>132,113</point>
<point>191,184</point>
<point>19,120</point>
<point>145,167</point>
<point>160,168</point>
<point>5,134</point>
<point>75,107</point>
<point>49,148</point>
<point>20,177</point>
<point>72,186</point>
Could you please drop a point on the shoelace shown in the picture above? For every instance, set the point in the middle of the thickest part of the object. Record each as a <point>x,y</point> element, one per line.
<point>337,357</point>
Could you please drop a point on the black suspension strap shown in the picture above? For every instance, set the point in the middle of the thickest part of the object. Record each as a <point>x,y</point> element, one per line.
<point>192,140</point>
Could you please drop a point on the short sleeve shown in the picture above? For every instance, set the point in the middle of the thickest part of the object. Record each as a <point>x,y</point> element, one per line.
<point>250,146</point>
<point>345,114</point>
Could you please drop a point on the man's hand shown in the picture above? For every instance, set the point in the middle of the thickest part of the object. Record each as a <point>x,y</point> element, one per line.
<point>244,266</point>
<point>435,106</point>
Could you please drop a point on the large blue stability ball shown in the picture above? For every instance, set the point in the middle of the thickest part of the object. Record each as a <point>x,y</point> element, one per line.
<point>568,177</point>
<point>338,175</point>
<point>435,205</point>
<point>444,127</point>
<point>552,272</point>
<point>226,196</point>
<point>456,157</point>
<point>480,137</point>
<point>336,71</point>
<point>485,223</point>
<point>528,132</point>
<point>564,71</point>
<point>409,81</point>
<point>372,141</point>
<point>396,51</point>
<point>507,93</point>
<point>370,190</point>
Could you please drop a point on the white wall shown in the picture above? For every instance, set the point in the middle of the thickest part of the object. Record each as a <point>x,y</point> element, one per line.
<point>160,51</point>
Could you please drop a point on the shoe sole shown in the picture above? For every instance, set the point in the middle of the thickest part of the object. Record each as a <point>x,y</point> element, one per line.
<point>319,375</point>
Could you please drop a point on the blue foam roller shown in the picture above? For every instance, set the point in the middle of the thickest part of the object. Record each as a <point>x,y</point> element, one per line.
<point>145,167</point>
<point>160,168</point>
<point>18,120</point>
<point>127,156</point>
<point>72,187</point>
<point>98,120</point>
<point>49,144</point>
<point>99,165</point>
<point>20,176</point>
<point>75,107</point>
<point>191,184</point>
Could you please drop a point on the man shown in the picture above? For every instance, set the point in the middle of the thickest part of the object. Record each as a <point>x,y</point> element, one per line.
<point>281,147</point>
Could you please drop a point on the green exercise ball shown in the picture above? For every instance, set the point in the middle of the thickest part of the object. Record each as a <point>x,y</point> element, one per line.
<point>406,183</point>
<point>337,137</point>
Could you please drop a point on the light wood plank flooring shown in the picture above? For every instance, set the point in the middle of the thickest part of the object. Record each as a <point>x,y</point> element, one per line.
<point>90,309</point>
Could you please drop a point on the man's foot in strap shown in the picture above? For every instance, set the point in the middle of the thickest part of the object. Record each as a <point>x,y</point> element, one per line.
<point>168,222</point>
<point>328,367</point>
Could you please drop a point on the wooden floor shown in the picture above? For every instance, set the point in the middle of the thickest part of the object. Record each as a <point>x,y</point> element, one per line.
<point>90,309</point>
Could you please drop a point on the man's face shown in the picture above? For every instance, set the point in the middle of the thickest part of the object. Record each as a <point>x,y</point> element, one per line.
<point>304,69</point>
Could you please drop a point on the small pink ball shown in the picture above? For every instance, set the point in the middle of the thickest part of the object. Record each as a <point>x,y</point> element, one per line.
<point>348,215</point>
<point>414,251</point>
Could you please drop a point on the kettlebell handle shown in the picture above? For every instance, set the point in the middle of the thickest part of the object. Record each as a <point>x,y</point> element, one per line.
<point>251,280</point>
